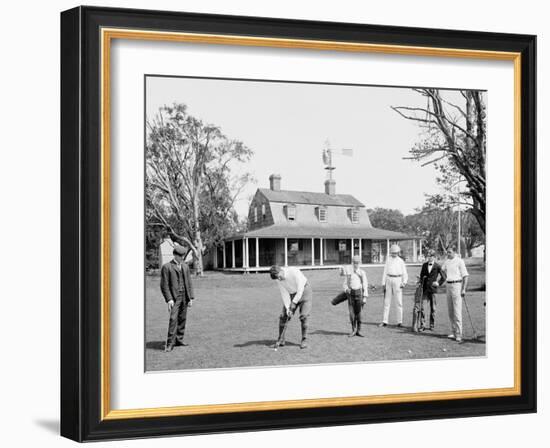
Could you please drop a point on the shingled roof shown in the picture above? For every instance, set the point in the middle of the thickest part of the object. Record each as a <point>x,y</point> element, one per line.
<point>333,232</point>
<point>311,198</point>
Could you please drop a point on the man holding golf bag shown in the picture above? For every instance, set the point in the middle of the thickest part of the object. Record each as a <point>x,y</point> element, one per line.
<point>355,293</point>
<point>432,276</point>
<point>296,295</point>
<point>457,281</point>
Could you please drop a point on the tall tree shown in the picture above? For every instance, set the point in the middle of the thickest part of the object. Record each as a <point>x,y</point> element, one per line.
<point>454,139</point>
<point>387,218</point>
<point>191,185</point>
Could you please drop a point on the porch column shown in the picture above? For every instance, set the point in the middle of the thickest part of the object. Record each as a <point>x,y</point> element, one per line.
<point>233,253</point>
<point>224,259</point>
<point>352,250</point>
<point>361,250</point>
<point>415,254</point>
<point>321,251</point>
<point>216,258</point>
<point>257,252</point>
<point>244,253</point>
<point>387,248</point>
<point>286,251</point>
<point>312,251</point>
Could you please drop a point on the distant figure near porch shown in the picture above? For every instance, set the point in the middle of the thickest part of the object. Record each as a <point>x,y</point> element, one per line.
<point>176,287</point>
<point>296,294</point>
<point>394,280</point>
<point>356,288</point>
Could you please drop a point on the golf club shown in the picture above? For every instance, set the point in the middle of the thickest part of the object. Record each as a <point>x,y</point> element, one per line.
<point>282,337</point>
<point>469,317</point>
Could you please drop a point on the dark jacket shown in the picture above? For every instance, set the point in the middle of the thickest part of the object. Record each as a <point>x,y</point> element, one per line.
<point>432,276</point>
<point>173,280</point>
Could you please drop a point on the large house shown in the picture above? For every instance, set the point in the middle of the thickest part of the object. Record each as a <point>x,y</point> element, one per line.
<point>310,230</point>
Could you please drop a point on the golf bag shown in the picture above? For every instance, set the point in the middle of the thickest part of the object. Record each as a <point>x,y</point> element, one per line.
<point>418,309</point>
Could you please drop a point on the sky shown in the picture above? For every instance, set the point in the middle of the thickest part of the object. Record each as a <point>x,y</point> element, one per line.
<point>287,125</point>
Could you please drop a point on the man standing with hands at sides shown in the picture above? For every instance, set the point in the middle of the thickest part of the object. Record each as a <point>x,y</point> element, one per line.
<point>457,281</point>
<point>176,287</point>
<point>355,293</point>
<point>394,280</point>
<point>296,294</point>
<point>429,274</point>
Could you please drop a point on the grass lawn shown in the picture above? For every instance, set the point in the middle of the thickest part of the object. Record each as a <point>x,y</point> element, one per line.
<point>234,320</point>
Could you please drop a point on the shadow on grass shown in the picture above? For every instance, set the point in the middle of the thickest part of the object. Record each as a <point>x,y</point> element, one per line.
<point>266,342</point>
<point>329,333</point>
<point>426,333</point>
<point>155,345</point>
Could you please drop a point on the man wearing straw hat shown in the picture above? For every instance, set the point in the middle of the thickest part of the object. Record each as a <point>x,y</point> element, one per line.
<point>394,280</point>
<point>355,293</point>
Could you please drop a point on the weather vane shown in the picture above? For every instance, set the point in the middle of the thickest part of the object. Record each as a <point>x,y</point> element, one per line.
<point>328,153</point>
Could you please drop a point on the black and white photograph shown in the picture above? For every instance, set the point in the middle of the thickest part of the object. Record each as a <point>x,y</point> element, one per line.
<point>295,223</point>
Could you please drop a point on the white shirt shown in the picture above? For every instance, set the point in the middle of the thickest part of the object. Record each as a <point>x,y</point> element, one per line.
<point>293,283</point>
<point>455,269</point>
<point>395,266</point>
<point>430,266</point>
<point>356,280</point>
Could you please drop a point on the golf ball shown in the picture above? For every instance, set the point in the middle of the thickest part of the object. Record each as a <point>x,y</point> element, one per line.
<point>444,349</point>
<point>409,351</point>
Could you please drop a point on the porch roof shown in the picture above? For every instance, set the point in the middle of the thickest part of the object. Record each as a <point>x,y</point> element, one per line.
<point>332,232</point>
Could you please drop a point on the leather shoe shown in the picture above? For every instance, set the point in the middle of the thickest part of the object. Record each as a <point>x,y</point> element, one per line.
<point>382,324</point>
<point>169,348</point>
<point>303,344</point>
<point>182,344</point>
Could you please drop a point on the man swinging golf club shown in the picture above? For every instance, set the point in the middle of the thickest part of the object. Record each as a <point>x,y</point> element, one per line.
<point>355,293</point>
<point>457,281</point>
<point>296,295</point>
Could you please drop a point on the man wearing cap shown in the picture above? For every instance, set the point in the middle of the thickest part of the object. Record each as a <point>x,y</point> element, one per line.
<point>457,281</point>
<point>394,280</point>
<point>355,293</point>
<point>176,287</point>
<point>296,294</point>
<point>431,276</point>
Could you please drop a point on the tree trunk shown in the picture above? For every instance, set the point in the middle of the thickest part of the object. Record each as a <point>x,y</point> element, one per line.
<point>198,238</point>
<point>198,254</point>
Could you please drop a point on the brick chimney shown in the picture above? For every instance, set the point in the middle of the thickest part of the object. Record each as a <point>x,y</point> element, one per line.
<point>275,182</point>
<point>330,187</point>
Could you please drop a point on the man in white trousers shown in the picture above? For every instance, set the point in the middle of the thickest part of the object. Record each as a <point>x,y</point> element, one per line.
<point>457,281</point>
<point>394,280</point>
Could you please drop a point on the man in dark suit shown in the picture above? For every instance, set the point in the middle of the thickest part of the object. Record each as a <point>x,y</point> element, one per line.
<point>176,287</point>
<point>429,274</point>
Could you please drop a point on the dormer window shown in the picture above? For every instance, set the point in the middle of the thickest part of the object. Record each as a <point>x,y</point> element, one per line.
<point>321,214</point>
<point>290,210</point>
<point>354,215</point>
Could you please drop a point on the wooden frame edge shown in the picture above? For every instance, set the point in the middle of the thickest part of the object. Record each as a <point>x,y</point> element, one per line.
<point>107,34</point>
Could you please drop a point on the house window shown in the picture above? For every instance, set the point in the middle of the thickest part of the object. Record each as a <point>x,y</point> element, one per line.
<point>263,211</point>
<point>255,214</point>
<point>290,212</point>
<point>322,214</point>
<point>354,215</point>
